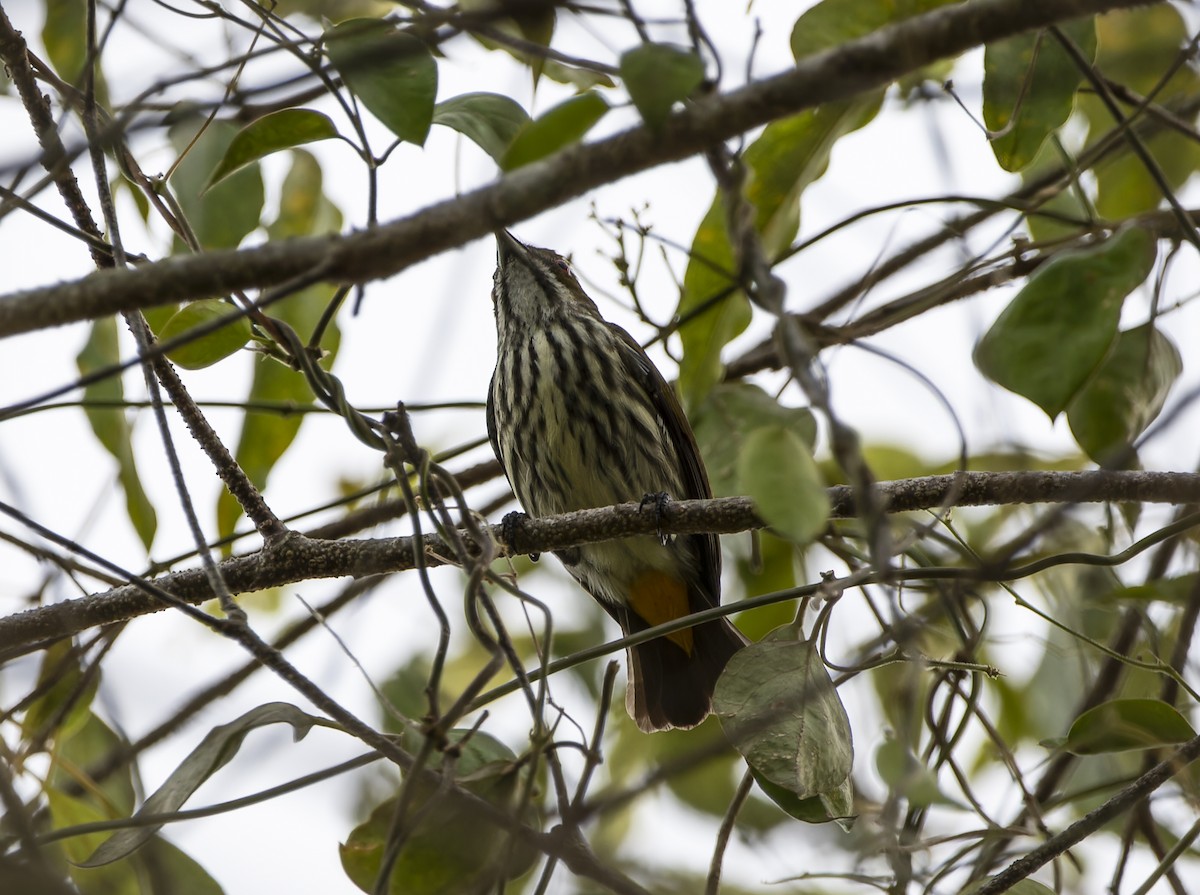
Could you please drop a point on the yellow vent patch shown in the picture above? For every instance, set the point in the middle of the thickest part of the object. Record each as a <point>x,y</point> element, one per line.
<point>658,598</point>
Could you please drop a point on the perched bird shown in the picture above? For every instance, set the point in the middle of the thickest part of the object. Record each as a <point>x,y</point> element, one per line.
<point>579,417</point>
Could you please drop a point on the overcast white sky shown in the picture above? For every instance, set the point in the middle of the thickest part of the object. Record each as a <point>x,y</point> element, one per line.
<point>427,335</point>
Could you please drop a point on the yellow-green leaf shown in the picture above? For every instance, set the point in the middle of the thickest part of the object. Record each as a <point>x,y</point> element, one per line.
<point>207,349</point>
<point>451,850</point>
<point>67,697</point>
<point>730,412</point>
<point>1123,725</point>
<point>788,156</point>
<point>778,473</point>
<point>222,216</point>
<point>659,75</point>
<point>1029,85</point>
<point>111,427</point>
<point>303,209</point>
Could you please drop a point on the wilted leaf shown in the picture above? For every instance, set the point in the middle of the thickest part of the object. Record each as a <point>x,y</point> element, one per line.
<point>1051,338</point>
<point>391,72</point>
<point>779,708</point>
<point>659,75</point>
<point>1123,725</point>
<point>1126,394</point>
<point>489,120</point>
<point>555,129</point>
<point>284,129</point>
<point>207,349</point>
<point>778,473</point>
<point>216,750</point>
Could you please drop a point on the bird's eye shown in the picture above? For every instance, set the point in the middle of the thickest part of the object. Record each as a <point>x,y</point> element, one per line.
<point>563,265</point>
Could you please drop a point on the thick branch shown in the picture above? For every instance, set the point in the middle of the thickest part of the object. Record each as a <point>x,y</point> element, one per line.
<point>856,66</point>
<point>297,558</point>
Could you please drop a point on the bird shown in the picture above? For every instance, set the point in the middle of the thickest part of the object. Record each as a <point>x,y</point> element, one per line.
<point>579,417</point>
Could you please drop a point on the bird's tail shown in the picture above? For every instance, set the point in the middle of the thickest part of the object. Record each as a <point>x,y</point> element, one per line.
<point>671,685</point>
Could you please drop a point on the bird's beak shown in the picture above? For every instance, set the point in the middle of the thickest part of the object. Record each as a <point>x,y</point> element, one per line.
<point>508,247</point>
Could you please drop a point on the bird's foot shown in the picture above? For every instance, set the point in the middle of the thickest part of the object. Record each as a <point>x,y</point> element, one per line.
<point>658,501</point>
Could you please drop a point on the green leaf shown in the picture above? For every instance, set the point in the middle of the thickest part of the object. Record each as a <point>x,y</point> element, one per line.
<point>221,217</point>
<point>74,758</point>
<point>901,771</point>
<point>659,75</point>
<point>284,129</point>
<point>450,850</point>
<point>788,156</point>
<point>391,72</point>
<point>1057,330</point>
<point>265,437</point>
<point>67,697</point>
<point>1123,725</point>
<point>186,876</point>
<point>1126,394</point>
<point>727,415</point>
<point>489,120</point>
<point>216,345</point>
<point>119,183</point>
<point>1136,46</point>
<point>555,129</point>
<point>111,427</point>
<point>770,568</point>
<point>1176,590</point>
<point>778,473</point>
<point>831,23</point>
<point>779,708</point>
<point>64,35</point>
<point>304,209</point>
<point>68,811</point>
<point>535,23</point>
<point>1029,85</point>
<point>836,805</point>
<point>215,751</point>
